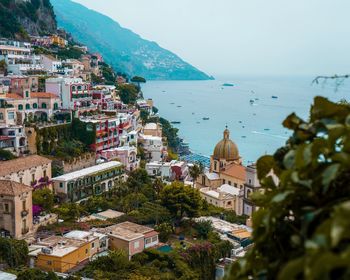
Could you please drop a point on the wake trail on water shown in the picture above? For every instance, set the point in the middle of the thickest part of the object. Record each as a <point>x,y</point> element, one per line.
<point>269,134</point>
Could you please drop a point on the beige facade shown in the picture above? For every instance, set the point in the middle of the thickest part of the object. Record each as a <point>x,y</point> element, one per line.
<point>16,216</point>
<point>31,170</point>
<point>153,129</point>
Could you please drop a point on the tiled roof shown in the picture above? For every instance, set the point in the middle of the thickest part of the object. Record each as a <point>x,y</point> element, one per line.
<point>23,163</point>
<point>13,188</point>
<point>236,171</point>
<point>43,95</point>
<point>14,96</point>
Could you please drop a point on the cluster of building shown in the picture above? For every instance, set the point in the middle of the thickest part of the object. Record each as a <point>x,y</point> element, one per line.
<point>228,183</point>
<point>76,248</point>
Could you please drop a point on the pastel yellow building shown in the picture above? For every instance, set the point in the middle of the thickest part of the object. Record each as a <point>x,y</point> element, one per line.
<point>61,254</point>
<point>57,40</point>
<point>223,184</point>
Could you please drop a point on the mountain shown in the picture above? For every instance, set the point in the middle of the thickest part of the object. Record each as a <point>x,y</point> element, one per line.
<point>18,18</point>
<point>124,50</point>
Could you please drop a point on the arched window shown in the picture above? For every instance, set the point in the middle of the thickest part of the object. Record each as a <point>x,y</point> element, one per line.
<point>27,106</point>
<point>73,88</point>
<point>1,116</point>
<point>35,105</point>
<point>43,105</point>
<point>110,184</point>
<point>20,107</point>
<point>55,106</point>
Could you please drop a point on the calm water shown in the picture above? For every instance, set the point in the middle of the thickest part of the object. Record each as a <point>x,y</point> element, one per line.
<point>256,128</point>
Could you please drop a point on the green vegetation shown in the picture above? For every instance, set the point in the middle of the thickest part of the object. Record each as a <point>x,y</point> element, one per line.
<point>36,274</point>
<point>13,252</point>
<point>138,80</point>
<point>170,133</point>
<point>17,16</point>
<point>181,200</point>
<point>108,74</point>
<point>6,155</point>
<point>302,228</point>
<point>44,198</point>
<point>128,93</point>
<point>69,52</point>
<point>165,230</point>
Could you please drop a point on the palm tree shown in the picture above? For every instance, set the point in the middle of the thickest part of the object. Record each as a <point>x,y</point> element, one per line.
<point>195,171</point>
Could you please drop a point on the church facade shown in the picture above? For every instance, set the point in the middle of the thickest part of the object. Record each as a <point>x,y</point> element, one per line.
<point>223,184</point>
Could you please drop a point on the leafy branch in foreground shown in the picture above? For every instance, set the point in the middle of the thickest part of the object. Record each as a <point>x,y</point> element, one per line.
<point>302,230</point>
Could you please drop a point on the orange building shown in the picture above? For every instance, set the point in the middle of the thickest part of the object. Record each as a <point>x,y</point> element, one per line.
<point>61,254</point>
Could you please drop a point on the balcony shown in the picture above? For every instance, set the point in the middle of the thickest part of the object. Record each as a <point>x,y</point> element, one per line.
<point>24,213</point>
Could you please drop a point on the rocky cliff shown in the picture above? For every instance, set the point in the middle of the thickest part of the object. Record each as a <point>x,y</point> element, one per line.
<point>20,18</point>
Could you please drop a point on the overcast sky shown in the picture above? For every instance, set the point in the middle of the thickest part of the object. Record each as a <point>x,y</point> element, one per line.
<point>224,37</point>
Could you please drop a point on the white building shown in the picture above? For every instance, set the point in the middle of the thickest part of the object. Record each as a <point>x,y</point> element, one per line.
<point>226,196</point>
<point>95,180</point>
<point>19,58</point>
<point>153,147</point>
<point>50,63</point>
<point>74,93</point>
<point>160,169</point>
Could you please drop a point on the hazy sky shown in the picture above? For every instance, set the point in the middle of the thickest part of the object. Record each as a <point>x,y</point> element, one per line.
<point>223,37</point>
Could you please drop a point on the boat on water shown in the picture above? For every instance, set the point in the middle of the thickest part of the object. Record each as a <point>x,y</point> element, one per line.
<point>175,122</point>
<point>205,119</point>
<point>172,103</point>
<point>228,85</point>
<point>251,101</point>
<point>274,97</point>
<point>179,106</point>
<point>266,129</point>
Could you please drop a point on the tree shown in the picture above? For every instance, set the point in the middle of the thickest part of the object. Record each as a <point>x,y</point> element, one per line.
<point>128,93</point>
<point>6,155</point>
<point>201,257</point>
<point>13,252</point>
<point>181,200</point>
<point>44,198</point>
<point>203,228</point>
<point>195,171</point>
<point>302,228</point>
<point>165,230</point>
<point>36,274</point>
<point>138,80</point>
<point>158,186</point>
<point>144,116</point>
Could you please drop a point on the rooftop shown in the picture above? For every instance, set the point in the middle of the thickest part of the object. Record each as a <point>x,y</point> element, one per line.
<point>88,171</point>
<point>236,171</point>
<point>151,126</point>
<point>13,188</point>
<point>23,163</point>
<point>61,246</point>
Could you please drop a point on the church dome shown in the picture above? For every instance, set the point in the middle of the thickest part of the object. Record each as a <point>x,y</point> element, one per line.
<point>226,148</point>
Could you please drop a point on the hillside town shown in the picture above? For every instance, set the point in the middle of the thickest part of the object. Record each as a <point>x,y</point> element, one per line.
<point>88,168</point>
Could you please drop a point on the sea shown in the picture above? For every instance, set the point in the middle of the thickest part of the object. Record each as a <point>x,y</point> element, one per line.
<point>253,109</point>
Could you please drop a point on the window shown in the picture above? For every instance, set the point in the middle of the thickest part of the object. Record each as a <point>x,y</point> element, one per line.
<point>24,205</point>
<point>20,107</point>
<point>11,115</point>
<point>154,238</point>
<point>27,106</point>
<point>93,245</point>
<point>224,181</point>
<point>7,208</point>
<point>148,240</point>
<point>33,178</point>
<point>137,244</point>
<point>27,93</point>
<point>235,185</point>
<point>21,180</point>
<point>250,181</point>
<point>86,251</point>
<point>1,116</point>
<point>35,105</point>
<point>61,185</point>
<point>45,173</point>
<point>43,105</point>
<point>229,182</point>
<point>55,106</point>
<point>215,165</point>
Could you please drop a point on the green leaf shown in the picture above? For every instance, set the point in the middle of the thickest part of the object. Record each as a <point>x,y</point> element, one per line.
<point>329,174</point>
<point>264,166</point>
<point>281,196</point>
